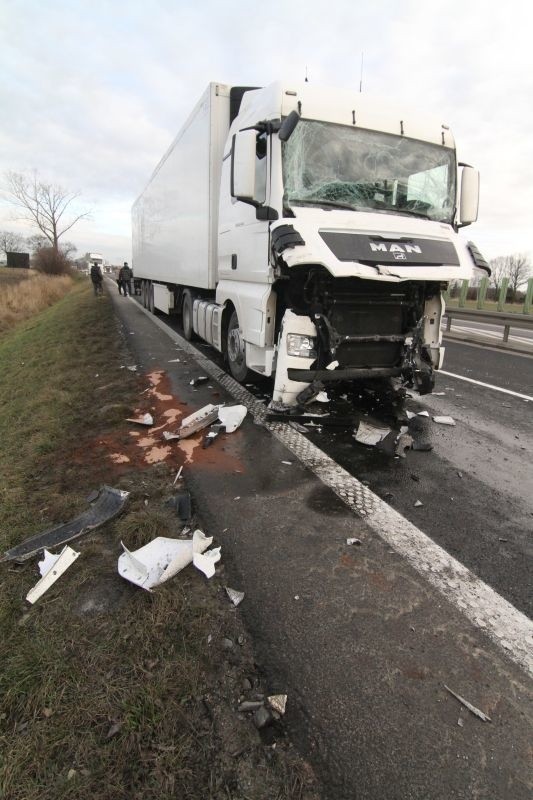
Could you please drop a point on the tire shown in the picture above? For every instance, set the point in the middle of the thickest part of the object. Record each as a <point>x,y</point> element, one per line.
<point>235,351</point>
<point>186,315</point>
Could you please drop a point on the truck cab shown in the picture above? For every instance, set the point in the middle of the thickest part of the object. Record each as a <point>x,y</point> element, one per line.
<point>338,232</point>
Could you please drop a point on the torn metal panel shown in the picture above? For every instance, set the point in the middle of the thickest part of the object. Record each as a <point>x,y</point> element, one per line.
<point>51,568</point>
<point>162,558</point>
<point>198,421</point>
<point>109,504</point>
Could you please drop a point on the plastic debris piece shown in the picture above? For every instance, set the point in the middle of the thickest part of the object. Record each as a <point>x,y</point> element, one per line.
<point>370,434</point>
<point>178,475</point>
<point>169,437</point>
<point>322,397</point>
<point>113,730</point>
<point>468,705</point>
<point>199,380</point>
<point>278,702</point>
<point>298,427</point>
<point>162,558</point>
<point>288,463</point>
<point>212,434</point>
<point>444,420</point>
<point>235,596</point>
<point>205,562</point>
<point>438,394</point>
<point>51,568</point>
<point>146,419</point>
<point>409,414</point>
<point>423,414</point>
<point>333,365</point>
<point>174,360</point>
<point>353,541</point>
<point>418,504</point>
<point>198,421</point>
<point>108,505</point>
<point>133,368</point>
<point>232,416</point>
<point>262,717</point>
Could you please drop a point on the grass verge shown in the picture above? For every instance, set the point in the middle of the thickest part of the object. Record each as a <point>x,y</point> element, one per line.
<point>107,691</point>
<point>23,293</point>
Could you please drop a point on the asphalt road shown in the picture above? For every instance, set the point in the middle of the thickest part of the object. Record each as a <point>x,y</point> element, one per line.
<point>363,638</point>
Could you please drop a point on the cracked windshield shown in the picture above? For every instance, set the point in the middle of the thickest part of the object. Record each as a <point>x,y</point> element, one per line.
<point>335,165</point>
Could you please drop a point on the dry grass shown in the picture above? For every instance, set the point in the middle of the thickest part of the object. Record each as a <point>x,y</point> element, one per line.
<point>24,293</point>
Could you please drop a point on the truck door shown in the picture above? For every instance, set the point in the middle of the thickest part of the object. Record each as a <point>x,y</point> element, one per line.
<point>243,239</point>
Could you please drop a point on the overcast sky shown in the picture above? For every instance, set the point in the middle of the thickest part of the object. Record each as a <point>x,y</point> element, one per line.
<point>92,93</point>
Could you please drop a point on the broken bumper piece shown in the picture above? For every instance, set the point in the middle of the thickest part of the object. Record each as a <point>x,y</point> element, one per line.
<point>108,505</point>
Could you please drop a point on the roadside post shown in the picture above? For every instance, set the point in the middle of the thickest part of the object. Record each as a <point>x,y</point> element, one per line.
<point>464,292</point>
<point>503,295</point>
<point>529,297</point>
<point>482,291</point>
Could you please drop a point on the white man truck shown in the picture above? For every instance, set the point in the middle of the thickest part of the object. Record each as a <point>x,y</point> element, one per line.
<point>309,234</point>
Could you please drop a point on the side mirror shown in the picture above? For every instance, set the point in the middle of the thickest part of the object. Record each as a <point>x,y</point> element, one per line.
<point>288,125</point>
<point>469,203</point>
<point>243,166</point>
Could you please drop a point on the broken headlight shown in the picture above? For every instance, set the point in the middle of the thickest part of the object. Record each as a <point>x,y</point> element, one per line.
<point>301,346</point>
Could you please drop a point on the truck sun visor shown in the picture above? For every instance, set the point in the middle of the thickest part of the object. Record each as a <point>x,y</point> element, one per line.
<point>285,237</point>
<point>477,258</point>
<point>408,252</point>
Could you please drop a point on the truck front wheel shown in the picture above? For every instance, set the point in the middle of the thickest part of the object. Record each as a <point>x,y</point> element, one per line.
<point>236,351</point>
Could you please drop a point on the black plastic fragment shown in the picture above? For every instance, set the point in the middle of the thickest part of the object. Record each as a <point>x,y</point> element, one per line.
<point>109,504</point>
<point>181,502</point>
<point>285,237</point>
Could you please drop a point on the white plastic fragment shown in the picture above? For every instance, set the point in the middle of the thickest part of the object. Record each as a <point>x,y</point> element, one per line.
<point>51,568</point>
<point>423,413</point>
<point>469,706</point>
<point>370,434</point>
<point>173,360</point>
<point>232,416</point>
<point>418,504</point>
<point>353,541</point>
<point>234,595</point>
<point>322,397</point>
<point>178,475</point>
<point>444,420</point>
<point>409,414</point>
<point>146,419</point>
<point>133,368</point>
<point>333,365</point>
<point>288,463</point>
<point>169,437</point>
<point>162,558</point>
<point>277,702</point>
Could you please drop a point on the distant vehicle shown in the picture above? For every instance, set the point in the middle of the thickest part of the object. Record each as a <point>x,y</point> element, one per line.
<point>308,233</point>
<point>93,258</point>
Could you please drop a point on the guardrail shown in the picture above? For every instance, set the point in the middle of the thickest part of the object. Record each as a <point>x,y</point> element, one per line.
<point>508,321</point>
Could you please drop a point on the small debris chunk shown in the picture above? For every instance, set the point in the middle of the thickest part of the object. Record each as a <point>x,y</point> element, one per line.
<point>353,541</point>
<point>199,380</point>
<point>297,427</point>
<point>249,705</point>
<point>418,504</point>
<point>468,705</point>
<point>231,417</point>
<point>370,434</point>
<point>288,463</point>
<point>444,420</point>
<point>333,365</point>
<point>51,568</point>
<point>146,419</point>
<point>198,421</point>
<point>278,702</point>
<point>178,475</point>
<point>113,730</point>
<point>262,717</point>
<point>403,443</point>
<point>234,595</point>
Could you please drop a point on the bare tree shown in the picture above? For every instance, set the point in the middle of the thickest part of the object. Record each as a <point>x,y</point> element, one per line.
<point>10,242</point>
<point>37,242</point>
<point>516,267</point>
<point>44,204</point>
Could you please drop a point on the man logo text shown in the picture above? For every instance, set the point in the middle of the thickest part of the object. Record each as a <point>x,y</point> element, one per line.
<point>382,247</point>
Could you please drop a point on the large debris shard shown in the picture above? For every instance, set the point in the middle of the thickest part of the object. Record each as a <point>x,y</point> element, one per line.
<point>162,558</point>
<point>370,434</point>
<point>198,421</point>
<point>51,568</point>
<point>108,505</point>
<point>231,417</point>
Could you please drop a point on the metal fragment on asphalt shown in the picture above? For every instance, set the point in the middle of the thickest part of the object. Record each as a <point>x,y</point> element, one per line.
<point>51,568</point>
<point>480,714</point>
<point>234,595</point>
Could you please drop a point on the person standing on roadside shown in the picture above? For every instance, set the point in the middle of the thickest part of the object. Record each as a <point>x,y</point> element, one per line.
<point>97,279</point>
<point>125,276</point>
<point>120,280</point>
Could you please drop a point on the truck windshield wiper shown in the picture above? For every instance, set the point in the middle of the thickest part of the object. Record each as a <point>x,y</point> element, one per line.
<point>332,203</point>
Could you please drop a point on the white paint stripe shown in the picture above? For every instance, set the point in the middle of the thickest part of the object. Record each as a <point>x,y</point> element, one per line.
<point>525,397</point>
<point>507,627</point>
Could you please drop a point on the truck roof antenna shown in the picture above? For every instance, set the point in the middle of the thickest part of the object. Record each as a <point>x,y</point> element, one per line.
<point>361,77</point>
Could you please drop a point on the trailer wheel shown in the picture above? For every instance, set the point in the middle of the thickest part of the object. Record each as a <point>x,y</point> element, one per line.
<point>186,315</point>
<point>236,351</point>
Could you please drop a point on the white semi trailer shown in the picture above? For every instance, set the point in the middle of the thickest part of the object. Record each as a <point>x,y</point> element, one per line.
<point>308,233</point>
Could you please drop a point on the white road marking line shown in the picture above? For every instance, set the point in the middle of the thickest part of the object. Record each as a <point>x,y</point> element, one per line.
<point>525,397</point>
<point>507,627</point>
